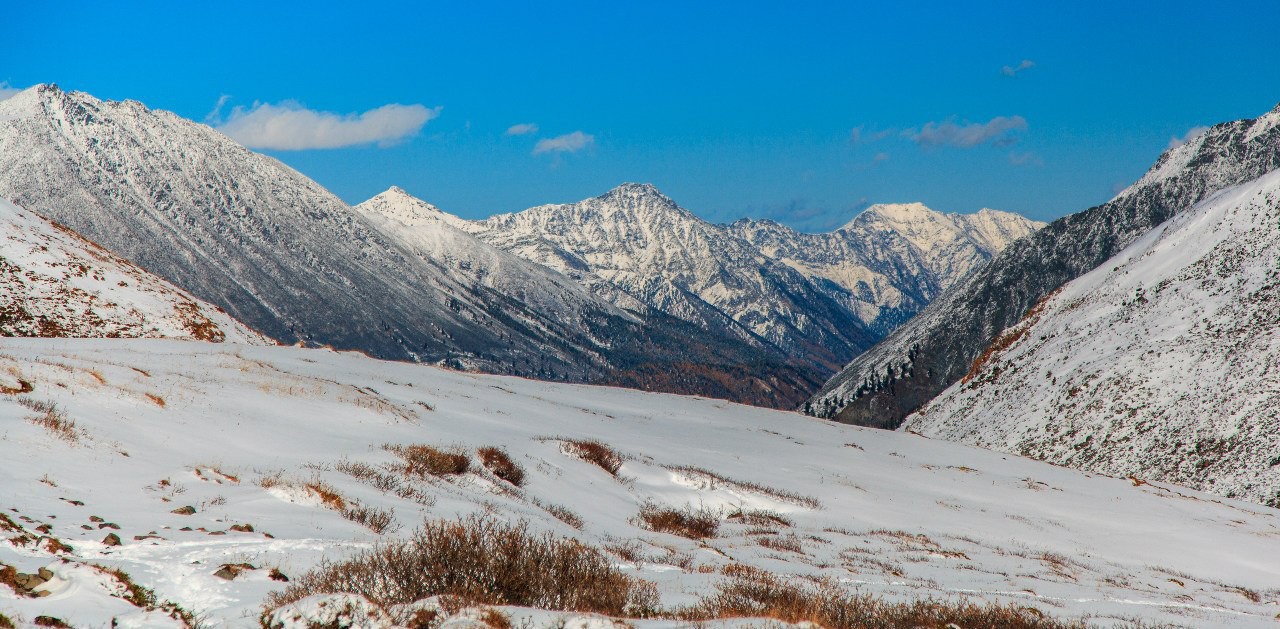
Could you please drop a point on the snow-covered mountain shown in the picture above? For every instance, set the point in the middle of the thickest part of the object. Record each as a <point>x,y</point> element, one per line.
<point>1163,363</point>
<point>54,283</point>
<point>640,243</point>
<point>287,257</point>
<point>892,259</point>
<point>222,470</point>
<point>639,347</point>
<point>818,297</point>
<point>938,346</point>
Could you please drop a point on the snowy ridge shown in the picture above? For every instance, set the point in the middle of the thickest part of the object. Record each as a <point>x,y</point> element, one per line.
<point>53,283</point>
<point>936,348</point>
<point>823,295</point>
<point>238,433</point>
<point>273,248</point>
<point>1162,363</point>
<point>892,259</point>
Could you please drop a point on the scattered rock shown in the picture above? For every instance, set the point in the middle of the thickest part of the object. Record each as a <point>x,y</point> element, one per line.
<point>109,525</point>
<point>86,527</point>
<point>187,510</point>
<point>45,573</point>
<point>45,528</point>
<point>276,575</point>
<point>242,528</point>
<point>186,528</point>
<point>230,571</point>
<point>217,532</point>
<point>94,518</point>
<point>111,539</point>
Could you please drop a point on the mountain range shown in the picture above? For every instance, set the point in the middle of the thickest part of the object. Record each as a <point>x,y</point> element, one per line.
<point>654,296</point>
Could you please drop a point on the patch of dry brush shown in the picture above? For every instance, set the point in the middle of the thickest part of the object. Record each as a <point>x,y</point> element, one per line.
<point>482,561</point>
<point>423,460</point>
<point>497,461</point>
<point>686,522</point>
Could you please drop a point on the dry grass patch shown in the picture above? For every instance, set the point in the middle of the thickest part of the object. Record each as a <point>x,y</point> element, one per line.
<point>760,517</point>
<point>754,593</point>
<point>594,452</point>
<point>497,460</point>
<point>684,522</point>
<point>423,460</point>
<point>328,494</point>
<point>789,543</point>
<point>145,598</point>
<point>481,561</point>
<point>377,520</point>
<point>53,419</point>
<point>712,478</point>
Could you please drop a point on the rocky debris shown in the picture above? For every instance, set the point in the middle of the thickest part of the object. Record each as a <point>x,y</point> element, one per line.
<point>111,540</point>
<point>187,510</point>
<point>230,571</point>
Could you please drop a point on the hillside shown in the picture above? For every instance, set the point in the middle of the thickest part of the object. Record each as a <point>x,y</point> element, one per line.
<point>53,283</point>
<point>1161,363</point>
<point>937,348</point>
<point>234,460</point>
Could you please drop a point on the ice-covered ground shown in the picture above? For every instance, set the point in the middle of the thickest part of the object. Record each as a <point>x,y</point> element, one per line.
<point>239,432</point>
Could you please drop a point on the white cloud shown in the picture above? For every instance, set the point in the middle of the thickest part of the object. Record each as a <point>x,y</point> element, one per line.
<point>567,143</point>
<point>7,90</point>
<point>998,131</point>
<point>291,127</point>
<point>1026,64</point>
<point>880,157</point>
<point>862,135</point>
<point>524,128</point>
<point>1191,134</point>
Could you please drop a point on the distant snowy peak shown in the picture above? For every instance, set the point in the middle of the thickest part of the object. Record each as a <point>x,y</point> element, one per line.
<point>54,283</point>
<point>397,204</point>
<point>990,230</point>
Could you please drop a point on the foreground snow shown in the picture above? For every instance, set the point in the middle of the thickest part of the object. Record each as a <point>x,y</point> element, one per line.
<point>167,424</point>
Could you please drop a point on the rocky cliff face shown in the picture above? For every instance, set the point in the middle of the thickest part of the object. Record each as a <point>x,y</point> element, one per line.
<point>938,347</point>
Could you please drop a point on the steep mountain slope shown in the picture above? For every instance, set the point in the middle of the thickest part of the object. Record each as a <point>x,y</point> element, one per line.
<point>264,461</point>
<point>1163,363</point>
<point>633,244</point>
<point>272,247</point>
<point>53,283</point>
<point>892,259</point>
<point>645,349</point>
<point>937,348</point>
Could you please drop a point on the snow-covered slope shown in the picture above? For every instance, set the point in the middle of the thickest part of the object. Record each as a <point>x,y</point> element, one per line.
<point>53,283</point>
<point>1163,363</point>
<point>937,347</point>
<point>892,259</point>
<point>251,437</point>
<point>245,232</point>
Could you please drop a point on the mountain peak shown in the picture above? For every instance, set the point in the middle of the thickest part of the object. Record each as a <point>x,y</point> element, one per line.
<point>398,204</point>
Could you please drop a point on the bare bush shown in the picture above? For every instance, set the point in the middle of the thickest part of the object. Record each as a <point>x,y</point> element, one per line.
<point>596,453</point>
<point>372,518</point>
<point>759,517</point>
<point>497,460</point>
<point>482,561</point>
<point>423,460</point>
<point>754,593</point>
<point>684,522</point>
<point>52,418</point>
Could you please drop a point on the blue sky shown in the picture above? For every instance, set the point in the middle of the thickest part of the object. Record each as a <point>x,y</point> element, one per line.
<point>733,109</point>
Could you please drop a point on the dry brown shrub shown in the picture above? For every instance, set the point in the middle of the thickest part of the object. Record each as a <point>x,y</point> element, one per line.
<point>497,460</point>
<point>372,518</point>
<point>754,593</point>
<point>52,418</point>
<point>155,399</point>
<point>482,561</point>
<point>789,543</point>
<point>328,495</point>
<point>596,453</point>
<point>423,460</point>
<point>495,619</point>
<point>760,517</point>
<point>684,522</point>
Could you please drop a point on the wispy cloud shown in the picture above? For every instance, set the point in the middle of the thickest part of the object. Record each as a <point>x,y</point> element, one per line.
<point>999,131</point>
<point>861,135</point>
<point>214,116</point>
<point>291,127</point>
<point>1012,71</point>
<point>1191,134</point>
<point>567,143</point>
<point>524,128</point>
<point>1028,158</point>
<point>7,90</point>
